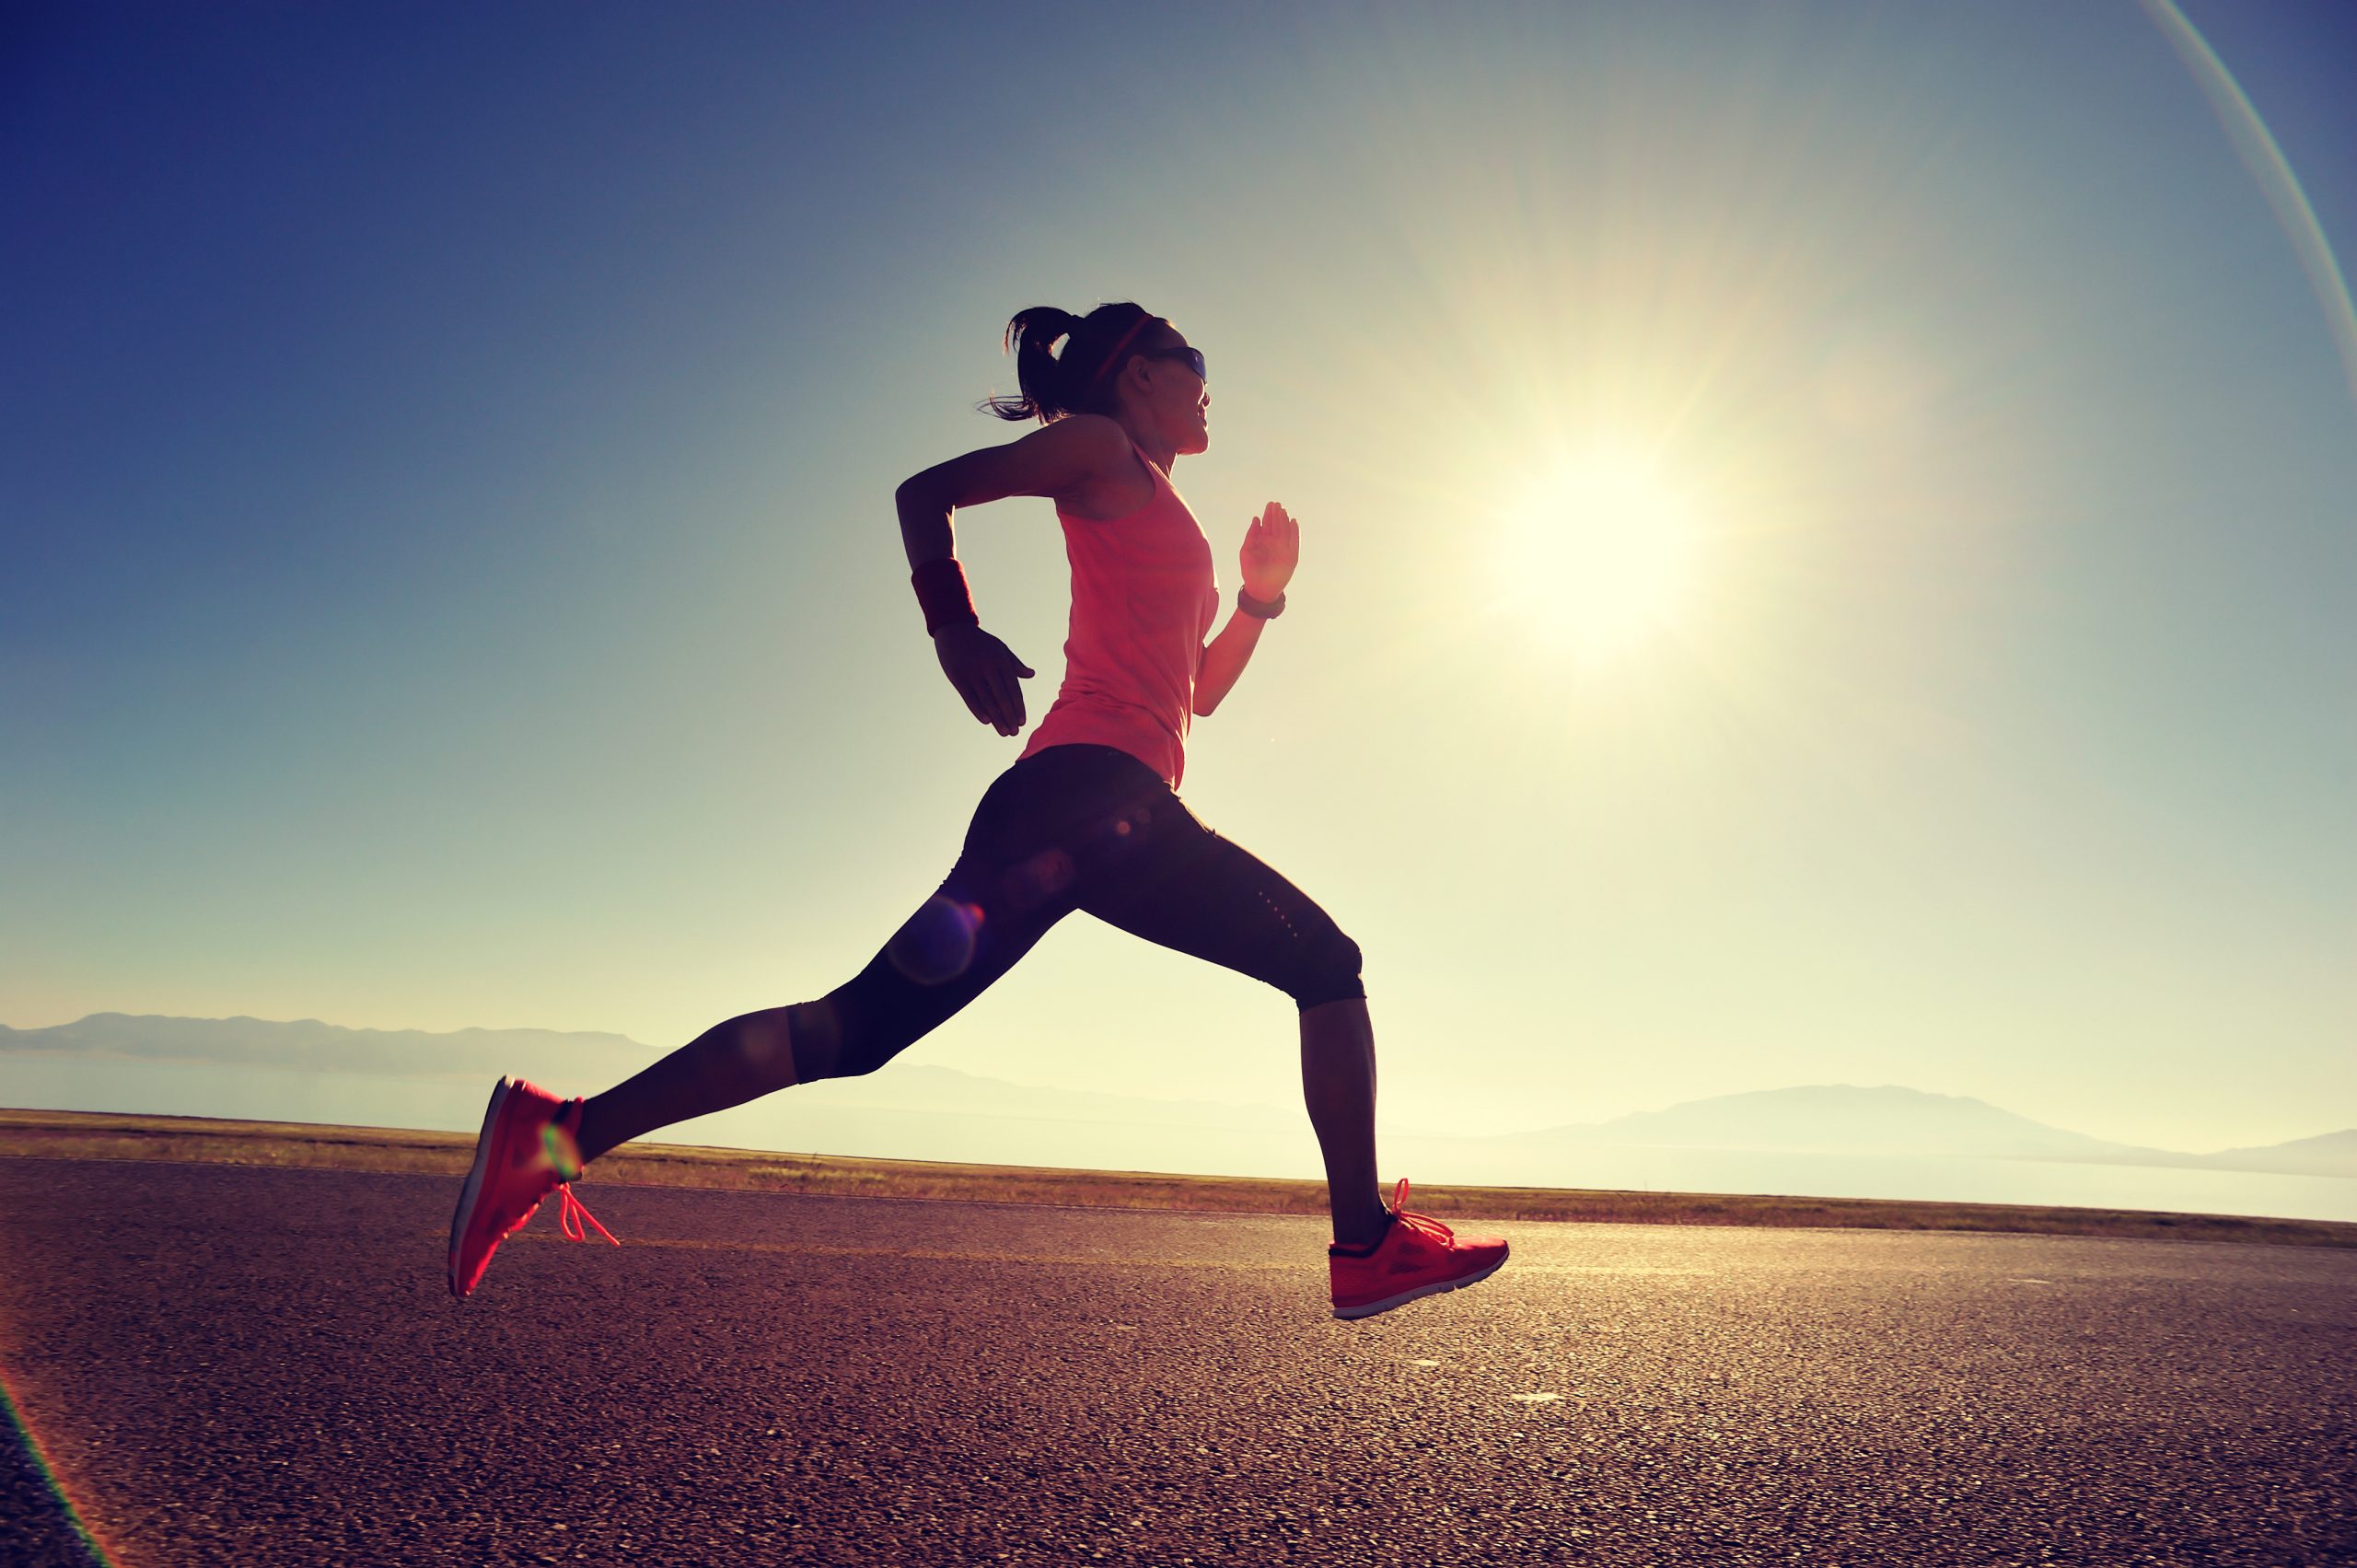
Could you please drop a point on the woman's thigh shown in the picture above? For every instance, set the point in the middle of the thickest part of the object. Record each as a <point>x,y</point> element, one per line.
<point>1043,826</point>
<point>1190,890</point>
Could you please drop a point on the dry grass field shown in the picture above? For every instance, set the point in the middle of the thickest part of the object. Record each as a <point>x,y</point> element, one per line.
<point>81,1136</point>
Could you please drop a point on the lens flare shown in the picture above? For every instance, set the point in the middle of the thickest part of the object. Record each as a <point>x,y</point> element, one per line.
<point>69,1519</point>
<point>936,944</point>
<point>2255,144</point>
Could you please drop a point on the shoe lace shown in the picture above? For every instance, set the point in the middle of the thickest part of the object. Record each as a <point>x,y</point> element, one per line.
<point>1422,1223</point>
<point>565,1153</point>
<point>571,1210</point>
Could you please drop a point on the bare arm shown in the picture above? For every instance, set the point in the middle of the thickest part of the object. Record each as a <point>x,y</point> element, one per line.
<point>1052,460</point>
<point>1224,657</point>
<point>1272,550</point>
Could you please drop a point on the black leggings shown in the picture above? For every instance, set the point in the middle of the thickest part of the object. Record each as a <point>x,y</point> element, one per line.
<point>1078,828</point>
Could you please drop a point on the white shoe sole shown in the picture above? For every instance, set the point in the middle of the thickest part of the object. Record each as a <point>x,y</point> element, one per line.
<point>1387,1302</point>
<point>473,1189</point>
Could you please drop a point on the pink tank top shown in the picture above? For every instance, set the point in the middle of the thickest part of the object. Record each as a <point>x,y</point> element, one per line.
<point>1144,597</point>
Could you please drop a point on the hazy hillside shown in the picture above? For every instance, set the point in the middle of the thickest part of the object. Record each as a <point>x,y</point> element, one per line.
<point>2334,1154</point>
<point>308,1045</point>
<point>1838,1118</point>
<point>1842,1118</point>
<point>1889,1119</point>
<point>926,1086</point>
<point>576,1063</point>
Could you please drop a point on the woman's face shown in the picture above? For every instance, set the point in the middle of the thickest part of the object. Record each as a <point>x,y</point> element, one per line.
<point>1170,396</point>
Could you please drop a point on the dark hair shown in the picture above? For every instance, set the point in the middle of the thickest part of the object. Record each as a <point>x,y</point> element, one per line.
<point>1080,382</point>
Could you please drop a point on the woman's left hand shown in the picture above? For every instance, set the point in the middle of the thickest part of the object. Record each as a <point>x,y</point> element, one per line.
<point>1271,549</point>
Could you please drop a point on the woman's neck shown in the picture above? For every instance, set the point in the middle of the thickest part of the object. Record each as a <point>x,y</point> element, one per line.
<point>1159,451</point>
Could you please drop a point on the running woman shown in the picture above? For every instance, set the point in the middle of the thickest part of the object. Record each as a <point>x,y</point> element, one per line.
<point>1086,818</point>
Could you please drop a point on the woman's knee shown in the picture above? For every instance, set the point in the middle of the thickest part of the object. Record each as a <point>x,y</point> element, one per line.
<point>864,1023</point>
<point>1328,970</point>
<point>762,1048</point>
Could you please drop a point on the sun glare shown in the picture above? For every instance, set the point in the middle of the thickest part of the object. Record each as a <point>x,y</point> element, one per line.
<point>1598,558</point>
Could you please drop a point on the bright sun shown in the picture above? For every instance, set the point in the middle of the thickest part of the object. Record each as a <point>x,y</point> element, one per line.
<point>1598,558</point>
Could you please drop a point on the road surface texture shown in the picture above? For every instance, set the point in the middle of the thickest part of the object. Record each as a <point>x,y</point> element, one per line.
<point>249,1366</point>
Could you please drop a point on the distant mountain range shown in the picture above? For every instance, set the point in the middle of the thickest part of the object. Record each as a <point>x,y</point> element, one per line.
<point>1821,1118</point>
<point>1889,1119</point>
<point>309,1045</point>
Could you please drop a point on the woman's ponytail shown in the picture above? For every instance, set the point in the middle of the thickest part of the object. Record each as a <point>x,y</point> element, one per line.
<point>1052,388</point>
<point>1031,337</point>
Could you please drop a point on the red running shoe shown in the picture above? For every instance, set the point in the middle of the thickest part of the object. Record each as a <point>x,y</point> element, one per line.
<point>527,1150</point>
<point>1417,1256</point>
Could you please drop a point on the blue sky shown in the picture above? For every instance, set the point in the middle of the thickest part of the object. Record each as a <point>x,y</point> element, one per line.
<point>445,478</point>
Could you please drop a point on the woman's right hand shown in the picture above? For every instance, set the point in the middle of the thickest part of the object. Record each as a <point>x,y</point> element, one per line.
<point>985,672</point>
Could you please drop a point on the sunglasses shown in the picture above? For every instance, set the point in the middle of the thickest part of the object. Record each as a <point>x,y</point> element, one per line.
<point>1193,358</point>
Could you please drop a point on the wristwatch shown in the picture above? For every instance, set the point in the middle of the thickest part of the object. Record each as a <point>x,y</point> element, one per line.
<point>1263,610</point>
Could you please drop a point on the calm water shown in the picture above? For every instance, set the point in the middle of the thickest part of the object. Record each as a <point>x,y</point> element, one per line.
<point>849,1119</point>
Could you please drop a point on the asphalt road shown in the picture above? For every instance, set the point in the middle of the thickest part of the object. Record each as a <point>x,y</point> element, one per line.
<point>256,1367</point>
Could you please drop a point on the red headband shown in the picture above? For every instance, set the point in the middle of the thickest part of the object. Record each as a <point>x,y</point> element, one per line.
<point>1118,347</point>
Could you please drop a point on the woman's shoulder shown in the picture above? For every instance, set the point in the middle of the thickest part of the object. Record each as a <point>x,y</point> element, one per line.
<point>1096,439</point>
<point>1121,483</point>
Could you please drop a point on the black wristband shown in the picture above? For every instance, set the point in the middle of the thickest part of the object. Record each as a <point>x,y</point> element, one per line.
<point>943,596</point>
<point>1259,609</point>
